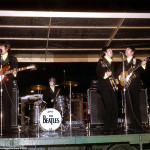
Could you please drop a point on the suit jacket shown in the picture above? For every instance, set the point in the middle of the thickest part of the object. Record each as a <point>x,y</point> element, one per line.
<point>104,84</point>
<point>12,61</point>
<point>49,95</point>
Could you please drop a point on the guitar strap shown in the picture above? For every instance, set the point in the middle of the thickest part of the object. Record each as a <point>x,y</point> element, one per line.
<point>128,64</point>
<point>10,59</point>
<point>110,66</point>
<point>7,61</point>
<point>134,61</point>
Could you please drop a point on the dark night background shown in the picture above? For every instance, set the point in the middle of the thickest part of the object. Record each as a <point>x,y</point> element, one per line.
<point>83,73</point>
<point>77,5</point>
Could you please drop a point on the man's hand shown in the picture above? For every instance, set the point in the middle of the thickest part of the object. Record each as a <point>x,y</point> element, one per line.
<point>109,73</point>
<point>15,72</point>
<point>117,81</point>
<point>122,79</point>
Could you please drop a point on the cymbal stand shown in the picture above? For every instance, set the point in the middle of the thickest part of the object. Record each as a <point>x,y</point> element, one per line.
<point>124,95</point>
<point>1,133</point>
<point>70,112</point>
<point>38,119</point>
<point>62,126</point>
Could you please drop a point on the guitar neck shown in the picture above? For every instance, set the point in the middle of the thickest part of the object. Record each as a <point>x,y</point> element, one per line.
<point>136,67</point>
<point>19,69</point>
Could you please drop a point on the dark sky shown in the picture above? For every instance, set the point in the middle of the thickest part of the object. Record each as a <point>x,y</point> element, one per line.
<point>77,5</point>
<point>82,73</point>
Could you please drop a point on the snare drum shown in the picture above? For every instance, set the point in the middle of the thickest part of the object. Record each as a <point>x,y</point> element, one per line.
<point>50,119</point>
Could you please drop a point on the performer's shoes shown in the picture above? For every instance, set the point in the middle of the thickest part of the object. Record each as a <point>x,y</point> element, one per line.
<point>138,130</point>
<point>110,132</point>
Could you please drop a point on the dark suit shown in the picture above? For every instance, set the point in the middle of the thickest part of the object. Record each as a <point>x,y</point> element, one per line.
<point>7,91</point>
<point>50,97</point>
<point>133,94</point>
<point>109,99</point>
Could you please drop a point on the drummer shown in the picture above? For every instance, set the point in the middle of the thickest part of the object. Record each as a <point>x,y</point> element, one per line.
<point>51,93</point>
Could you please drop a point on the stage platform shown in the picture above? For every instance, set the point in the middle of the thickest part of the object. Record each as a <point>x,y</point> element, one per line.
<point>76,139</point>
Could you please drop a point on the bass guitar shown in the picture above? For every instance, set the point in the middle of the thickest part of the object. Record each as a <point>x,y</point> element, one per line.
<point>111,78</point>
<point>129,74</point>
<point>5,70</point>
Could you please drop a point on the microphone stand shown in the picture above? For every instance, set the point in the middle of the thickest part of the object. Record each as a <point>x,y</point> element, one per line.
<point>70,114</point>
<point>38,117</point>
<point>124,94</point>
<point>1,133</point>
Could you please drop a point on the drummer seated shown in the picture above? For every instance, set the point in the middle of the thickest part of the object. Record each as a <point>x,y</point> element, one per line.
<point>51,93</point>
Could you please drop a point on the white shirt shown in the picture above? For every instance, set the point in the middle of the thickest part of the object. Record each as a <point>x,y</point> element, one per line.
<point>52,88</point>
<point>129,59</point>
<point>4,56</point>
<point>109,60</point>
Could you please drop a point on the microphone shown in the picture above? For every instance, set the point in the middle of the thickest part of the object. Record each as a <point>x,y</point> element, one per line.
<point>121,53</point>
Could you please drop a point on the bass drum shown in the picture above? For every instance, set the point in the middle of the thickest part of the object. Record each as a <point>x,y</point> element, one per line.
<point>50,119</point>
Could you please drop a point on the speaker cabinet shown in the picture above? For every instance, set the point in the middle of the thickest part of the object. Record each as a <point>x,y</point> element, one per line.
<point>95,106</point>
<point>14,108</point>
<point>144,105</point>
<point>77,109</point>
<point>76,112</point>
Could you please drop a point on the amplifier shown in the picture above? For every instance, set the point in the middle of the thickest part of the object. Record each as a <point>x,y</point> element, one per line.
<point>95,106</point>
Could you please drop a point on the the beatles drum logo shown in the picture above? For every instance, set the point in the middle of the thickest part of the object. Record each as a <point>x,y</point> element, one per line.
<point>50,119</point>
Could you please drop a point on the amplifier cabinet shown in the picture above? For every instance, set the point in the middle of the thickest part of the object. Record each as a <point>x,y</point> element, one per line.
<point>95,106</point>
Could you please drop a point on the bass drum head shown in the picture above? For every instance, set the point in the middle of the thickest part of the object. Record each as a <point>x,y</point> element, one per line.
<point>50,119</point>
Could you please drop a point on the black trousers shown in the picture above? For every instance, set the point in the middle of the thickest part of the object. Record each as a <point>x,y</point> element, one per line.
<point>110,112</point>
<point>6,105</point>
<point>133,107</point>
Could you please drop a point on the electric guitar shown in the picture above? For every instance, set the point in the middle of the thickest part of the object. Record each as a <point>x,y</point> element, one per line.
<point>5,70</point>
<point>129,74</point>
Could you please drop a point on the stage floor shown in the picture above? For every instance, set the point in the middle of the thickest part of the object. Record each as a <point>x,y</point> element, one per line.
<point>76,138</point>
<point>35,131</point>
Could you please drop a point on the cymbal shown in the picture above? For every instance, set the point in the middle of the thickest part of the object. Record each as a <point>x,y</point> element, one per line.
<point>68,83</point>
<point>38,87</point>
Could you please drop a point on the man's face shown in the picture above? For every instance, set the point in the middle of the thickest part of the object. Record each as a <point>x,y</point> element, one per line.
<point>129,52</point>
<point>109,53</point>
<point>51,83</point>
<point>4,50</point>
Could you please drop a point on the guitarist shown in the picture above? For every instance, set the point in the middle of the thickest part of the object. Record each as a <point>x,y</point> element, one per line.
<point>7,59</point>
<point>105,89</point>
<point>133,89</point>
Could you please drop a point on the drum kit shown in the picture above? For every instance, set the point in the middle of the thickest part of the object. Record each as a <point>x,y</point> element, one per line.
<point>50,119</point>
